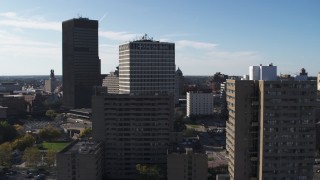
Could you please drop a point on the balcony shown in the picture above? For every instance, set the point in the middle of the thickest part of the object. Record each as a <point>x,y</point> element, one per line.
<point>254,158</point>
<point>254,123</point>
<point>255,103</point>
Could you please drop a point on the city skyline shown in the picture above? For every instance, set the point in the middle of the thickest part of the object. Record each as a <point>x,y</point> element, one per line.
<point>210,36</point>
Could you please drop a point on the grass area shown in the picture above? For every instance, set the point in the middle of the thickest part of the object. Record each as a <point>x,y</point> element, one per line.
<point>194,126</point>
<point>55,146</point>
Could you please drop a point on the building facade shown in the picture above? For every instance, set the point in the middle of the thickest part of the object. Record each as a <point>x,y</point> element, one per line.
<point>271,129</point>
<point>187,166</point>
<point>81,160</point>
<point>199,103</point>
<point>134,129</point>
<point>15,104</point>
<point>146,67</point>
<point>3,112</point>
<point>80,61</point>
<point>112,82</point>
<point>263,72</point>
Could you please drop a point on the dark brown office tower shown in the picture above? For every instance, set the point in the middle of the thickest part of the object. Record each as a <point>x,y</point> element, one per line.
<point>80,61</point>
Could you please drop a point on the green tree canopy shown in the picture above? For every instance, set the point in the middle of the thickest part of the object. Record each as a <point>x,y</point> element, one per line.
<point>147,172</point>
<point>23,142</point>
<point>7,132</point>
<point>5,154</point>
<point>51,113</point>
<point>49,133</point>
<point>189,132</point>
<point>50,158</point>
<point>87,132</point>
<point>32,156</point>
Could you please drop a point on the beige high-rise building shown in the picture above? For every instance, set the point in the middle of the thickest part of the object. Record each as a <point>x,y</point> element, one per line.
<point>146,66</point>
<point>271,129</point>
<point>112,82</point>
<point>134,129</point>
<point>81,160</point>
<point>199,103</point>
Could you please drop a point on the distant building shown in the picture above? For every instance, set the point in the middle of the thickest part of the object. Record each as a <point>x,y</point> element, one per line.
<point>146,67</point>
<point>9,87</point>
<point>134,129</point>
<point>35,102</point>
<point>3,112</point>
<point>215,81</point>
<point>80,61</point>
<point>81,160</point>
<point>199,103</point>
<point>50,84</point>
<point>187,165</point>
<point>267,73</point>
<point>303,75</point>
<point>112,82</point>
<point>179,85</point>
<point>15,104</point>
<point>271,128</point>
<point>318,81</point>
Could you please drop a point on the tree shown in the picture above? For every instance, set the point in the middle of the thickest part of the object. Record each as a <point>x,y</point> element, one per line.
<point>22,143</point>
<point>29,117</point>
<point>51,113</point>
<point>50,158</point>
<point>147,172</point>
<point>87,132</point>
<point>7,132</point>
<point>5,154</point>
<point>32,156</point>
<point>189,133</point>
<point>19,129</point>
<point>49,133</point>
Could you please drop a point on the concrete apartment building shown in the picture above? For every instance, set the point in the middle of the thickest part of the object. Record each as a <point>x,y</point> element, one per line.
<point>147,66</point>
<point>134,129</point>
<point>81,160</point>
<point>112,82</point>
<point>80,61</point>
<point>15,104</point>
<point>263,72</point>
<point>199,103</point>
<point>271,128</point>
<point>187,165</point>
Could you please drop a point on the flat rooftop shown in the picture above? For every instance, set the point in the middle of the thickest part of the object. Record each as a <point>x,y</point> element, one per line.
<point>83,110</point>
<point>81,147</point>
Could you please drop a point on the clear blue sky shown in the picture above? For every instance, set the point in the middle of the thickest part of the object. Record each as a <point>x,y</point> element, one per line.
<point>210,35</point>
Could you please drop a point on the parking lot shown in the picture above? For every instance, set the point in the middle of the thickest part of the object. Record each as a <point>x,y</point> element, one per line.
<point>216,158</point>
<point>39,124</point>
